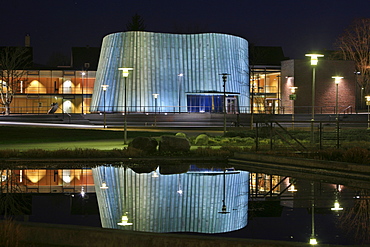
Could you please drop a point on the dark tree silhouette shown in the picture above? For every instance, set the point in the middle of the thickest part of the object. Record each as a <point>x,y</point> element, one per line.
<point>136,24</point>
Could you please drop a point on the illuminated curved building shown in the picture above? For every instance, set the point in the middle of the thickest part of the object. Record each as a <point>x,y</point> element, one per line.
<point>197,201</point>
<point>182,70</point>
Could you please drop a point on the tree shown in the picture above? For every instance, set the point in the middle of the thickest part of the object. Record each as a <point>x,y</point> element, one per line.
<point>136,24</point>
<point>354,44</point>
<point>13,62</point>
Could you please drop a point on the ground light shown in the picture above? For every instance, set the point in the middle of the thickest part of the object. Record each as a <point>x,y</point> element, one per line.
<point>124,221</point>
<point>125,73</point>
<point>314,61</point>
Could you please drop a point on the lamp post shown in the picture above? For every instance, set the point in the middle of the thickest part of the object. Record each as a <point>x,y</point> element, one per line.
<point>293,97</point>
<point>104,87</point>
<point>368,108</point>
<point>337,80</point>
<point>314,61</point>
<point>224,79</point>
<point>179,76</point>
<point>125,73</point>
<point>155,95</point>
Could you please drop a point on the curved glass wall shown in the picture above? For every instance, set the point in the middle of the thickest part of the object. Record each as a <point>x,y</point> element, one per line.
<point>204,201</point>
<point>170,66</point>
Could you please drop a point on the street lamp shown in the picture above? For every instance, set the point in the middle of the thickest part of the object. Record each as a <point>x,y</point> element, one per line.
<point>104,87</point>
<point>179,76</point>
<point>368,106</point>
<point>314,61</point>
<point>125,73</point>
<point>155,95</point>
<point>293,97</point>
<point>337,80</point>
<point>224,79</point>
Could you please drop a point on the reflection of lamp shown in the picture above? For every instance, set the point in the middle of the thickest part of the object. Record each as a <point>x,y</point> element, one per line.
<point>314,61</point>
<point>337,206</point>
<point>312,238</point>
<point>179,191</point>
<point>82,191</point>
<point>292,188</point>
<point>155,174</point>
<point>224,209</point>
<point>124,221</point>
<point>104,184</point>
<point>125,73</point>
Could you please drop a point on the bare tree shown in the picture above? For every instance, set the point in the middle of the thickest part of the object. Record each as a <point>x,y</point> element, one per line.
<point>13,62</point>
<point>354,44</point>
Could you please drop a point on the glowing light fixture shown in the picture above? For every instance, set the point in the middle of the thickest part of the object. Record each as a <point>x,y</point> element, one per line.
<point>82,191</point>
<point>104,186</point>
<point>313,241</point>
<point>155,174</point>
<point>337,206</point>
<point>314,58</point>
<point>292,188</point>
<point>125,71</point>
<point>124,221</point>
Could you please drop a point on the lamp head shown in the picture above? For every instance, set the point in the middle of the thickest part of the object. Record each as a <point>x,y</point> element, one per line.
<point>155,95</point>
<point>125,71</point>
<point>314,58</point>
<point>337,79</point>
<point>104,87</point>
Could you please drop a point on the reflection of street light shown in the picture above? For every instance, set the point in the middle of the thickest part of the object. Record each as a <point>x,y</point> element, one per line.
<point>293,97</point>
<point>105,87</point>
<point>125,73</point>
<point>104,184</point>
<point>368,105</point>
<point>155,95</point>
<point>312,238</point>
<point>124,221</point>
<point>224,209</point>
<point>224,79</point>
<point>337,206</point>
<point>179,87</point>
<point>314,61</point>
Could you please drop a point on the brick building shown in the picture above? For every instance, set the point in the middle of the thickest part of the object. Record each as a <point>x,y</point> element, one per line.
<point>298,73</point>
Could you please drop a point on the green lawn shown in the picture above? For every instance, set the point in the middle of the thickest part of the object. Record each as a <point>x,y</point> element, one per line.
<point>61,138</point>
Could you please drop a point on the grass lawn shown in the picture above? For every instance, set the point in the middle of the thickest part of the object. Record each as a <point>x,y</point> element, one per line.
<point>23,138</point>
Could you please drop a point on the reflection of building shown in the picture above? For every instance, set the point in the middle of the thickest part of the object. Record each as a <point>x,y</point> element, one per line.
<point>184,69</point>
<point>47,181</point>
<point>187,202</point>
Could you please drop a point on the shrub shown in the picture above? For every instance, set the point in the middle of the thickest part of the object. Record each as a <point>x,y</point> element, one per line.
<point>180,134</point>
<point>201,140</point>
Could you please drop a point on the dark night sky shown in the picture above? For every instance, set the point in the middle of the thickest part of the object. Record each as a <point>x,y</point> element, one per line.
<point>297,26</point>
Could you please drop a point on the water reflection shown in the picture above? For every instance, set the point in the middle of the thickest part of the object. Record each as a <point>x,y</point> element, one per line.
<point>186,202</point>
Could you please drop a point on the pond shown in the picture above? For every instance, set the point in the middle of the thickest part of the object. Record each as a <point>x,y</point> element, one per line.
<point>193,200</point>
